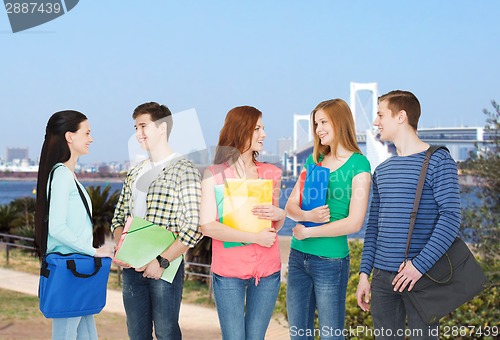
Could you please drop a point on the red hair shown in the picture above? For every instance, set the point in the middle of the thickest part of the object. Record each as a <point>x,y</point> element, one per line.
<point>236,134</point>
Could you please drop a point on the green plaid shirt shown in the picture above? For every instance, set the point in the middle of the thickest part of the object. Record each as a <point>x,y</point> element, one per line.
<point>173,200</point>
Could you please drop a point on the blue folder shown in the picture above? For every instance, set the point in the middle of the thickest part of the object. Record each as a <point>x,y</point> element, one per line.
<point>315,189</point>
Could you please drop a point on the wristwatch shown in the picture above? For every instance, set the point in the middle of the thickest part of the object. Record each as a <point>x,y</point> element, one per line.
<point>164,263</point>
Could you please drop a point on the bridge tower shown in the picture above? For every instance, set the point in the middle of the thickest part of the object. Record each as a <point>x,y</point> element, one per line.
<point>362,119</point>
<point>364,114</point>
<point>297,129</point>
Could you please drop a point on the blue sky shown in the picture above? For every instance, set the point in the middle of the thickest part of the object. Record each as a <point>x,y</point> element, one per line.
<point>283,57</point>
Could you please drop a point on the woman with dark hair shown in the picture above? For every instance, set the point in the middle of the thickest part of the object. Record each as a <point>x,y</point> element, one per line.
<point>246,278</point>
<point>69,228</point>
<point>318,267</point>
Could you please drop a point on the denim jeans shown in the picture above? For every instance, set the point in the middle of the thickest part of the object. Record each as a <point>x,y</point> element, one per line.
<point>390,310</point>
<point>245,309</point>
<point>151,302</point>
<point>316,282</point>
<point>78,328</point>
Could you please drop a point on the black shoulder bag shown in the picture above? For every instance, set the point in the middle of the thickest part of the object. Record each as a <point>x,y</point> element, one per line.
<point>453,280</point>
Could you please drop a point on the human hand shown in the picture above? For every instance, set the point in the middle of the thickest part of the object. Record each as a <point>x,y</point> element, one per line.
<point>268,212</point>
<point>300,232</point>
<point>318,215</point>
<point>363,293</point>
<point>121,264</point>
<point>103,252</point>
<point>152,270</point>
<point>266,237</point>
<point>117,234</point>
<point>407,275</point>
<point>118,262</point>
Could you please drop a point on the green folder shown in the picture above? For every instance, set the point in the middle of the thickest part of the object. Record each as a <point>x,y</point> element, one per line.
<point>143,242</point>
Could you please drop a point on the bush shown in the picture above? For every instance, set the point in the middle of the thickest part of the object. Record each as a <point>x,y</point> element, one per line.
<point>481,313</point>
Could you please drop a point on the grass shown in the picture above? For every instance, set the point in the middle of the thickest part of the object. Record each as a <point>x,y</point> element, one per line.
<point>25,261</point>
<point>21,260</point>
<point>20,318</point>
<point>18,305</point>
<point>195,291</point>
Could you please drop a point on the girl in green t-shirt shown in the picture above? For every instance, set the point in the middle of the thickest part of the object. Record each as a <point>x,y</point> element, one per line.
<point>318,267</point>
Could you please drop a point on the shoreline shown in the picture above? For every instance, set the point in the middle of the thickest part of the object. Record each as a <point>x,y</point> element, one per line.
<point>463,180</point>
<point>80,178</point>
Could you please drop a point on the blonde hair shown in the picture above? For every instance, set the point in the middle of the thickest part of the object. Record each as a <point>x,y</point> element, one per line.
<point>344,133</point>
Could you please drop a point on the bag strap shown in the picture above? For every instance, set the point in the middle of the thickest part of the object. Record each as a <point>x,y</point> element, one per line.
<point>71,265</point>
<point>418,193</point>
<point>84,200</point>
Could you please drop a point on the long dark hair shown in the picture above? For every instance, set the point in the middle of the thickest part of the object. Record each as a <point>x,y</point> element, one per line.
<point>236,133</point>
<point>55,150</point>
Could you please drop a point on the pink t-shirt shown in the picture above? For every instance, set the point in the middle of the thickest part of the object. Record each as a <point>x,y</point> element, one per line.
<point>251,260</point>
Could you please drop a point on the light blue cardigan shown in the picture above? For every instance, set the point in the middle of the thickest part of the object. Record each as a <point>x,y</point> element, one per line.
<point>70,228</point>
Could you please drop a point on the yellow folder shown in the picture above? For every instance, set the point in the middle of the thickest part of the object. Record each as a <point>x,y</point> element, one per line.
<point>240,196</point>
<point>142,242</point>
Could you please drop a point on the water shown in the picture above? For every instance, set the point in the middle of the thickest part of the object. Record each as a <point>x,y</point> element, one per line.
<point>10,190</point>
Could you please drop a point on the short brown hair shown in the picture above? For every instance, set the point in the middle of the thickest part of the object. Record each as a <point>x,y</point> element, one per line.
<point>344,132</point>
<point>236,133</point>
<point>159,114</point>
<point>398,100</point>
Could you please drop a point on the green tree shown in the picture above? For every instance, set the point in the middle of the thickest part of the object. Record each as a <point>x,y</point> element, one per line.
<point>25,207</point>
<point>103,208</point>
<point>7,214</point>
<point>483,219</point>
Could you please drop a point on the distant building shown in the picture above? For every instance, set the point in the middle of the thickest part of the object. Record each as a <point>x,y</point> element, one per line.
<point>269,158</point>
<point>284,145</point>
<point>461,141</point>
<point>213,150</point>
<point>19,154</point>
<point>199,157</point>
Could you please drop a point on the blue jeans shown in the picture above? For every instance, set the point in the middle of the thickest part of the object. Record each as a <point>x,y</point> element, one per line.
<point>316,282</point>
<point>390,310</point>
<point>151,302</point>
<point>238,322</point>
<point>78,328</point>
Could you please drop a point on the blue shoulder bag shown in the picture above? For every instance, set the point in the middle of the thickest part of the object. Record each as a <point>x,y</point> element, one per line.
<point>73,284</point>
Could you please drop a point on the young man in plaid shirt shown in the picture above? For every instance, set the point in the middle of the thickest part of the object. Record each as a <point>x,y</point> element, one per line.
<point>166,190</point>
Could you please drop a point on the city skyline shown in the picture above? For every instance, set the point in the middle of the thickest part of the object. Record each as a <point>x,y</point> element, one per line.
<point>104,59</point>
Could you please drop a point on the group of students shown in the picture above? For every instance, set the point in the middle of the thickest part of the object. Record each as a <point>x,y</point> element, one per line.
<point>168,190</point>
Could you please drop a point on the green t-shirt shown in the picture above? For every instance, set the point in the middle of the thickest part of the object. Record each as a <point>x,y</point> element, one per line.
<point>338,199</point>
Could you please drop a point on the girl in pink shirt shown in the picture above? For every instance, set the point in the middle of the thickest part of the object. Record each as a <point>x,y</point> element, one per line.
<point>247,274</point>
